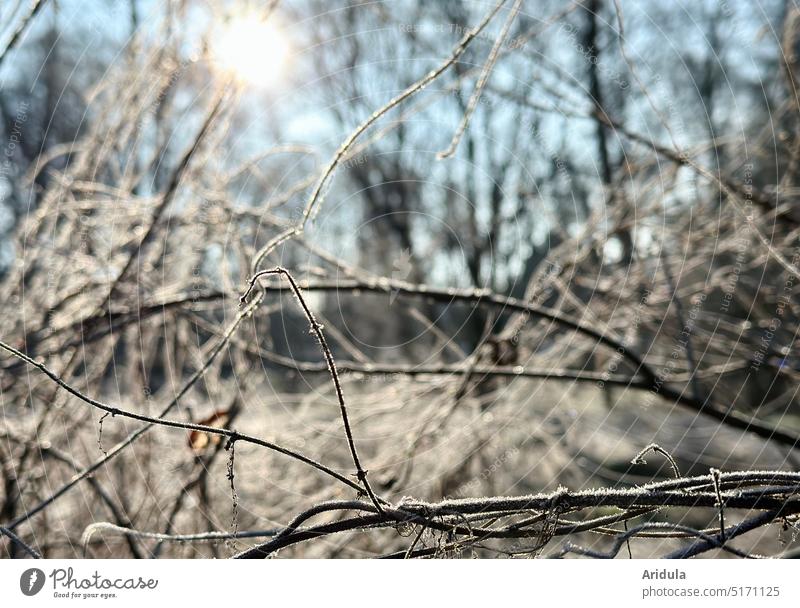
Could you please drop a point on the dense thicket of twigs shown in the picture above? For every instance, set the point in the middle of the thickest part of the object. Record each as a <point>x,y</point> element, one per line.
<point>180,376</point>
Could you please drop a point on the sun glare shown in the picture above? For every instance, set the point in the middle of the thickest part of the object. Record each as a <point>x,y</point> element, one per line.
<point>254,50</point>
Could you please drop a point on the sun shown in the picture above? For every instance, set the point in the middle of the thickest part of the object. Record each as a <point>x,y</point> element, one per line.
<point>253,50</point>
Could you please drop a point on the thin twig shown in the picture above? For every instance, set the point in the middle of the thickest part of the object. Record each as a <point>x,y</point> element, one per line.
<point>481,83</point>
<point>361,474</point>
<point>317,197</point>
<point>20,543</point>
<point>654,447</point>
